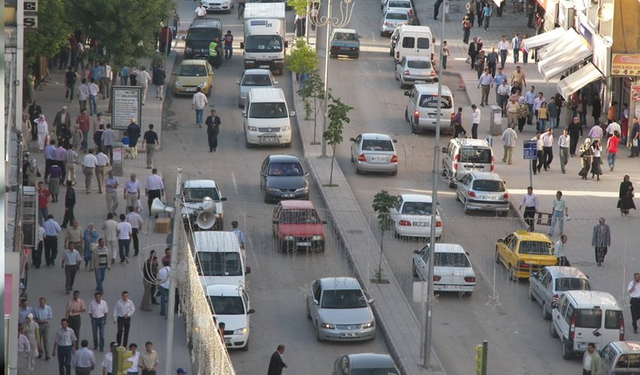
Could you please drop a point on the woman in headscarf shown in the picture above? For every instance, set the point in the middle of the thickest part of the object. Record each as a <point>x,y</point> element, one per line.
<point>585,158</point>
<point>625,197</point>
<point>43,131</point>
<point>596,162</point>
<point>523,113</point>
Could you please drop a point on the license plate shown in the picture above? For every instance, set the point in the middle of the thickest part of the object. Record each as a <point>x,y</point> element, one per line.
<point>581,346</point>
<point>288,195</point>
<point>189,90</point>
<point>378,159</point>
<point>269,139</point>
<point>263,66</point>
<point>420,81</point>
<point>420,224</point>
<point>448,286</point>
<point>345,48</point>
<point>350,334</point>
<point>303,243</point>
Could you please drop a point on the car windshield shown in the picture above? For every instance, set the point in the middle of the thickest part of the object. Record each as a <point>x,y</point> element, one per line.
<point>397,16</point>
<point>268,110</point>
<point>536,247</point>
<point>589,318</point>
<point>299,217</point>
<point>219,263</point>
<point>285,169</point>
<point>572,283</point>
<point>419,64</point>
<point>416,208</point>
<point>226,305</point>
<point>256,80</point>
<point>343,299</point>
<point>475,155</point>
<point>192,71</point>
<point>376,145</point>
<point>431,101</point>
<point>345,37</point>
<point>399,4</point>
<point>198,194</point>
<point>263,43</point>
<point>201,34</point>
<point>373,371</point>
<point>488,185</point>
<point>450,260</point>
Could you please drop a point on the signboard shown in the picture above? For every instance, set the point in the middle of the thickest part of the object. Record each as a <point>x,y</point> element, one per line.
<point>624,64</point>
<point>30,5</point>
<point>530,150</point>
<point>126,105</point>
<point>30,21</point>
<point>635,93</point>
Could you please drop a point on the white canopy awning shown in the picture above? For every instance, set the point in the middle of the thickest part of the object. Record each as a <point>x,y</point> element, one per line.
<point>559,56</point>
<point>543,39</point>
<point>578,80</point>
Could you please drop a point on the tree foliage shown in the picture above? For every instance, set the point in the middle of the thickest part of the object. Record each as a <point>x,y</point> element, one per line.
<point>383,202</point>
<point>52,33</point>
<point>300,6</point>
<point>125,28</point>
<point>302,58</point>
<point>338,115</point>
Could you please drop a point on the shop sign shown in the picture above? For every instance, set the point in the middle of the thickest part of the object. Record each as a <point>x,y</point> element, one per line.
<point>635,93</point>
<point>623,64</point>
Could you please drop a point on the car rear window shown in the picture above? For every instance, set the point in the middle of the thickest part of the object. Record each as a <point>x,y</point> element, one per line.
<point>589,318</point>
<point>416,208</point>
<point>535,247</point>
<point>488,185</point>
<point>377,145</point>
<point>571,283</point>
<point>431,101</point>
<point>612,319</point>
<point>419,64</point>
<point>475,155</point>
<point>299,217</point>
<point>285,169</point>
<point>219,264</point>
<point>373,371</point>
<point>423,42</point>
<point>450,260</point>
<point>399,4</point>
<point>397,16</point>
<point>256,80</point>
<point>345,36</point>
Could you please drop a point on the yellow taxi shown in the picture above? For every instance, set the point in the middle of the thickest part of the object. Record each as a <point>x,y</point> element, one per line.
<point>524,253</point>
<point>192,74</point>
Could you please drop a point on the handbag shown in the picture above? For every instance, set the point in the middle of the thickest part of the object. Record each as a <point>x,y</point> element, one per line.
<point>468,60</point>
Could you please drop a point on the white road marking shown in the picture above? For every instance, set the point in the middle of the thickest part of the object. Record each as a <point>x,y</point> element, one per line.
<point>235,185</point>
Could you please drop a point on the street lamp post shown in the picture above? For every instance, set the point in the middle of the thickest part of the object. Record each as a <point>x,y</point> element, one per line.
<point>346,10</point>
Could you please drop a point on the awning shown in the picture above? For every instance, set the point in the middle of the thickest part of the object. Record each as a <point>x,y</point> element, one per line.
<point>559,56</point>
<point>578,80</point>
<point>543,39</point>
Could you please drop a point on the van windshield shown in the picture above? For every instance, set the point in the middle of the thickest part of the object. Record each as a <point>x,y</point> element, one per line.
<point>475,155</point>
<point>431,101</point>
<point>201,34</point>
<point>589,318</point>
<point>268,110</point>
<point>263,43</point>
<point>219,263</point>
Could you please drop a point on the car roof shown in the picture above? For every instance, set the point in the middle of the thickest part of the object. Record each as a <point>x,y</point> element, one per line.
<point>370,360</point>
<point>193,62</point>
<point>415,28</point>
<point>466,141</point>
<point>199,184</point>
<point>215,241</point>
<point>523,234</point>
<point>416,198</point>
<point>283,158</point>
<point>223,290</point>
<point>339,283</point>
<point>561,271</point>
<point>206,22</point>
<point>256,72</point>
<point>485,176</point>
<point>346,31</point>
<point>377,136</point>
<point>397,11</point>
<point>296,204</point>
<point>266,94</point>
<point>431,88</point>
<point>449,248</point>
<point>590,298</point>
<point>627,347</point>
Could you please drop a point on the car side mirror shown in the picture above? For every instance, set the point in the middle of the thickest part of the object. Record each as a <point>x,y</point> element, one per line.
<point>433,39</point>
<point>184,38</point>
<point>275,82</point>
<point>251,311</point>
<point>306,174</point>
<point>359,36</point>
<point>241,45</point>
<point>395,141</point>
<point>315,302</point>
<point>536,275</point>
<point>352,139</point>
<point>500,240</point>
<point>247,270</point>
<point>238,83</point>
<point>444,150</point>
<point>466,252</point>
<point>244,113</point>
<point>554,305</point>
<point>292,113</point>
<point>416,251</point>
<point>371,300</point>
<point>323,221</point>
<point>223,199</point>
<point>407,93</point>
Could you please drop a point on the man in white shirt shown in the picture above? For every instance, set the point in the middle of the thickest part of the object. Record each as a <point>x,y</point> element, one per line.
<point>164,283</point>
<point>88,167</point>
<point>537,103</point>
<point>124,238</point>
<point>71,261</point>
<point>83,94</point>
<point>110,228</point>
<point>70,161</point>
<point>503,47</point>
<point>530,204</point>
<point>107,76</point>
<point>136,222</point>
<point>83,359</point>
<point>634,295</point>
<point>558,251</point>
<point>154,188</point>
<point>101,167</point>
<point>591,361</point>
<point>539,153</point>
<point>200,11</point>
<point>509,138</point>
<point>134,359</point>
<point>144,79</point>
<point>199,102</point>
<point>132,191</point>
<point>111,184</point>
<point>475,121</point>
<point>529,97</point>
<point>547,148</point>
<point>107,361</point>
<point>484,83</point>
<point>98,310</point>
<point>563,149</point>
<point>93,94</point>
<point>122,313</point>
<point>614,126</point>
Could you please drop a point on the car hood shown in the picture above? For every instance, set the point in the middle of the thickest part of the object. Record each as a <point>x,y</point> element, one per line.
<point>268,122</point>
<point>346,316</point>
<point>300,230</point>
<point>286,182</point>
<point>233,322</point>
<point>191,81</point>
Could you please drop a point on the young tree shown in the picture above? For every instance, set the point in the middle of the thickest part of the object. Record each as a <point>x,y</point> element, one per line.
<point>299,6</point>
<point>382,204</point>
<point>338,116</point>
<point>302,58</point>
<point>312,87</point>
<point>52,33</point>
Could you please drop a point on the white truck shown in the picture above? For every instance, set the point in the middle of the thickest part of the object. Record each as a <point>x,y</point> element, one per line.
<point>264,36</point>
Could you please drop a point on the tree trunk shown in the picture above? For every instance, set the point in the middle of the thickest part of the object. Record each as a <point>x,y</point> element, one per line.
<point>333,157</point>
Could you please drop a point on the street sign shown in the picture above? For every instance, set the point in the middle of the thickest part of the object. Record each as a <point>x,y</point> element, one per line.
<point>30,5</point>
<point>30,21</point>
<point>530,150</point>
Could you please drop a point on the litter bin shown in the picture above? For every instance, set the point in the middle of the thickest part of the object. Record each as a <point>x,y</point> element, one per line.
<point>118,156</point>
<point>495,121</point>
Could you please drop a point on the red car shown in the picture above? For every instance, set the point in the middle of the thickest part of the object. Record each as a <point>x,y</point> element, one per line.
<point>296,225</point>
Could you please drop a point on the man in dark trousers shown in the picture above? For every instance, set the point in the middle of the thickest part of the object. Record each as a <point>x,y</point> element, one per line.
<point>276,364</point>
<point>133,130</point>
<point>575,131</point>
<point>213,128</point>
<point>69,204</point>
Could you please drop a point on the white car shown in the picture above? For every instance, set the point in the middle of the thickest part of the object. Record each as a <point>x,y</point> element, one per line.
<point>392,19</point>
<point>230,305</point>
<point>404,5</point>
<point>412,216</point>
<point>218,5</point>
<point>414,69</point>
<point>452,270</point>
<point>253,78</point>
<point>194,193</point>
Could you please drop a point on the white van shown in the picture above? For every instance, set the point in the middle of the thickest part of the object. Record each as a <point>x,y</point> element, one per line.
<point>583,316</point>
<point>463,155</point>
<point>219,258</point>
<point>266,118</point>
<point>422,107</point>
<point>412,41</point>
<point>231,306</point>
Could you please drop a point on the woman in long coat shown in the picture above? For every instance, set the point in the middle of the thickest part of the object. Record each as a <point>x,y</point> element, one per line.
<point>585,158</point>
<point>43,131</point>
<point>625,197</point>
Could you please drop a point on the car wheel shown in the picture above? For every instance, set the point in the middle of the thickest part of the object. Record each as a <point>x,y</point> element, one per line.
<point>308,312</point>
<point>394,173</point>
<point>320,248</point>
<point>414,129</point>
<point>552,330</point>
<point>381,33</point>
<point>240,105</point>
<point>497,257</point>
<point>546,314</point>
<point>396,234</point>
<point>458,197</point>
<point>265,197</point>
<point>358,171</point>
<point>247,144</point>
<point>318,338</point>
<point>414,271</point>
<point>531,296</point>
<point>208,94</point>
<point>406,115</point>
<point>512,275</point>
<point>567,353</point>
<point>352,159</point>
<point>397,77</point>
<point>278,246</point>
<point>468,294</point>
<point>390,51</point>
<point>332,55</point>
<point>466,208</point>
<point>356,56</point>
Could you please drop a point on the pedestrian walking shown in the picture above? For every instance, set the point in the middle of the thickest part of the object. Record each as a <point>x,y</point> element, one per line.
<point>108,140</point>
<point>102,162</point>
<point>154,188</point>
<point>276,364</point>
<point>107,361</point>
<point>136,222</point>
<point>181,371</point>
<point>124,75</point>
<point>43,202</point>
<point>492,61</point>
<point>466,29</point>
<point>124,238</point>
<point>484,83</point>
<point>98,310</point>
<point>83,94</point>
<point>71,261</point>
<point>93,91</point>
<point>563,149</point>
<point>530,204</point>
<point>133,76</point>
<point>110,228</point>
<point>165,39</point>
<point>74,235</point>
<point>515,45</point>
<point>198,103</point>
<point>213,129</point>
<point>122,313</point>
<point>53,179</point>
<point>89,241</point>
<point>480,61</point>
<point>132,191</point>
<point>591,361</point>
<point>625,196</point>
<point>559,252</point>
<point>634,296</point>
<point>62,118</point>
<point>503,48</point>
<point>64,346</point>
<point>144,79</point>
<point>503,101</point>
<point>51,230</point>
<point>509,139</point>
<point>69,205</point>
<point>634,138</point>
<point>151,143</point>
<point>547,148</point>
<point>24,353</point>
<point>134,132</point>
<point>84,360</point>
<point>106,79</point>
<point>42,315</point>
<point>445,54</point>
<point>586,155</point>
<point>75,307</point>
<point>228,44</point>
<point>473,51</point>
<point>560,211</point>
<point>475,121</point>
<point>200,11</point>
<point>134,359</point>
<point>575,131</point>
<point>523,113</point>
<point>100,265</point>
<point>149,272</point>
<point>111,184</point>
<point>518,80</point>
<point>596,160</point>
<point>31,330</point>
<point>596,133</point>
<point>70,161</point>
<point>601,240</point>
<point>612,149</point>
<point>88,167</point>
<point>148,360</point>
<point>164,283</point>
<point>543,116</point>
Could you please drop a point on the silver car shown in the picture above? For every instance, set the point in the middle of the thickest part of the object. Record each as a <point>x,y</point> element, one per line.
<point>252,78</point>
<point>414,69</point>
<point>339,310</point>
<point>365,364</point>
<point>483,191</point>
<point>546,285</point>
<point>392,19</point>
<point>374,152</point>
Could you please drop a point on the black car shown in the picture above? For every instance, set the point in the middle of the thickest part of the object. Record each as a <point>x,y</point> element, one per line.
<point>201,33</point>
<point>282,177</point>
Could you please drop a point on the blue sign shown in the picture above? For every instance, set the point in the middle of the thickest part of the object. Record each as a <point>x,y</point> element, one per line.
<point>530,150</point>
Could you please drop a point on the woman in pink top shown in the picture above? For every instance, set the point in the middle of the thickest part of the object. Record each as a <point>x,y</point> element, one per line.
<point>612,149</point>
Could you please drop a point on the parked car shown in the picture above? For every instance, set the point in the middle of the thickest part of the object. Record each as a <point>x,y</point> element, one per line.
<point>404,5</point>
<point>218,5</point>
<point>191,75</point>
<point>464,155</point>
<point>483,191</point>
<point>524,253</point>
<point>282,177</point>
<point>253,78</point>
<point>365,364</point>
<point>414,69</point>
<point>412,216</point>
<point>374,152</point>
<point>452,270</point>
<point>345,42</point>
<point>392,19</point>
<point>621,358</point>
<point>297,225</point>
<point>194,193</point>
<point>340,310</point>
<point>230,305</point>
<point>421,111</point>
<point>546,285</point>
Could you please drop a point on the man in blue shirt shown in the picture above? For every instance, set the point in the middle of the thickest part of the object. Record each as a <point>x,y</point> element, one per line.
<point>49,155</point>
<point>42,315</point>
<point>529,97</point>
<point>96,71</point>
<point>497,80</point>
<point>51,230</point>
